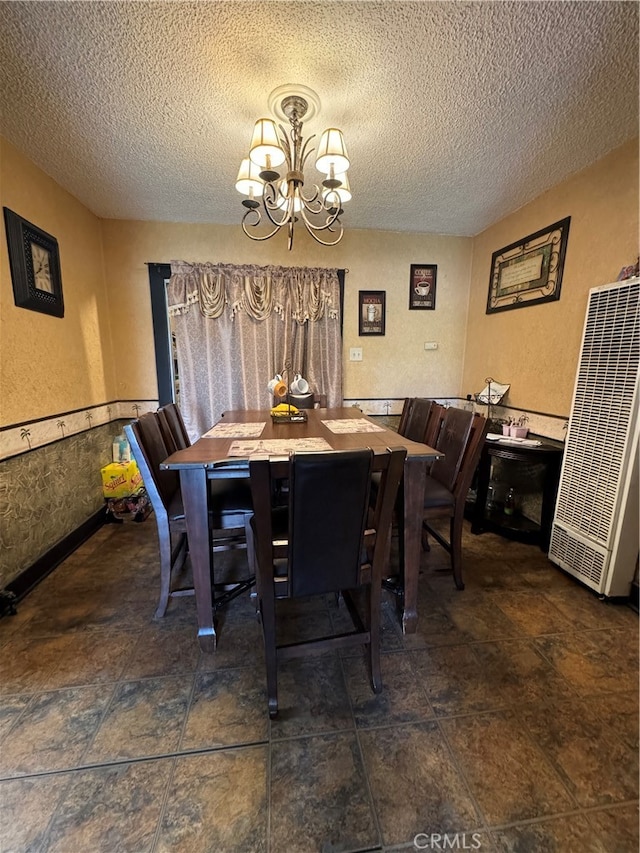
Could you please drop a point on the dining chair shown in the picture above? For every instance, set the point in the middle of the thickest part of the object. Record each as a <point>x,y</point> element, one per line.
<point>420,420</point>
<point>327,539</point>
<point>173,427</point>
<point>230,504</point>
<point>461,440</point>
<point>415,424</point>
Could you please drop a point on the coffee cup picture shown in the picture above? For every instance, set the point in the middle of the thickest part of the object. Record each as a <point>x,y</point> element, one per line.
<point>371,310</point>
<point>422,286</point>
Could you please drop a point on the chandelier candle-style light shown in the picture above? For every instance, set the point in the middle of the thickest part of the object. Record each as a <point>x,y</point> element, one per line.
<point>277,198</point>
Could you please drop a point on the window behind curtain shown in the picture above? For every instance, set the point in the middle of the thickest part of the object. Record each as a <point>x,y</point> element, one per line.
<point>259,318</point>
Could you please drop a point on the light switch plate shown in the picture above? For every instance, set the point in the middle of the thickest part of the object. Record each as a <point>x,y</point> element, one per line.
<point>355,354</point>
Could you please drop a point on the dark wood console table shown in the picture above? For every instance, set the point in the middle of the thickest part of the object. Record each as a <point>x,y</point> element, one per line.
<point>533,469</point>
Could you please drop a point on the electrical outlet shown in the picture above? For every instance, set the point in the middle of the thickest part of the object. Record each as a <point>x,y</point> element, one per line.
<point>431,345</point>
<point>355,354</point>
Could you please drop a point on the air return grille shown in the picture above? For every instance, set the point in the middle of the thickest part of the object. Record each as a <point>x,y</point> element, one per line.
<point>578,556</point>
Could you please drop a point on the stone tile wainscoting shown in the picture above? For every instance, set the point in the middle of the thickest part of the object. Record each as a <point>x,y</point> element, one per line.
<point>50,481</point>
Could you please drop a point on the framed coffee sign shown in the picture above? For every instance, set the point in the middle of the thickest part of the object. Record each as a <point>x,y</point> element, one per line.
<point>529,271</point>
<point>371,311</point>
<point>422,286</point>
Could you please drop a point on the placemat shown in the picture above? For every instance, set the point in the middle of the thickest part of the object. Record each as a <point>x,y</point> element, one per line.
<point>278,446</point>
<point>352,425</point>
<point>231,430</point>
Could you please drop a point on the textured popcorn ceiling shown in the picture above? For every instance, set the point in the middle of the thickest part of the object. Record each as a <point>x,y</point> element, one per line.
<point>455,114</point>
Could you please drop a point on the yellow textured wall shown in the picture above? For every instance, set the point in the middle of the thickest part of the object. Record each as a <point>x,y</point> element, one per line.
<point>536,348</point>
<point>51,364</point>
<point>395,365</point>
<point>103,348</point>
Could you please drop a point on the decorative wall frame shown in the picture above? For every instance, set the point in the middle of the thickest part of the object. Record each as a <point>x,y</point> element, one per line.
<point>371,312</point>
<point>422,286</point>
<point>529,271</point>
<point>34,260</point>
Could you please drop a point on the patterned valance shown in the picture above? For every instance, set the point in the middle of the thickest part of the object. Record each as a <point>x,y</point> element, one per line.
<point>303,293</point>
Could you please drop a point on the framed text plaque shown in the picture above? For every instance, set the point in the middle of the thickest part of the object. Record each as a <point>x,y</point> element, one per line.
<point>530,271</point>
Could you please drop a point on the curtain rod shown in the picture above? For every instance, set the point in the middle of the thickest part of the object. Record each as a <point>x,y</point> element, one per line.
<point>168,264</point>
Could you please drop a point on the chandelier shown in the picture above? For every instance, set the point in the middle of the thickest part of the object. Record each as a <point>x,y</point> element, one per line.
<point>277,199</point>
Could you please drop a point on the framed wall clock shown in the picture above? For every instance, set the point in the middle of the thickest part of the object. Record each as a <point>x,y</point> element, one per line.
<point>34,260</point>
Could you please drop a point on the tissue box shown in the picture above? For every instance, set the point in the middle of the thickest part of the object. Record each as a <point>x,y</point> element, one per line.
<point>120,479</point>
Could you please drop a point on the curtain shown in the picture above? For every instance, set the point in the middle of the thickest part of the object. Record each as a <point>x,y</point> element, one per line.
<point>237,326</point>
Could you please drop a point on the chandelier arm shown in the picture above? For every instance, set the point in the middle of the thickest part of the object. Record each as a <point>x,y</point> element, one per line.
<point>331,218</point>
<point>307,200</point>
<point>255,224</point>
<point>322,242</point>
<point>284,139</point>
<point>270,206</point>
<point>304,154</point>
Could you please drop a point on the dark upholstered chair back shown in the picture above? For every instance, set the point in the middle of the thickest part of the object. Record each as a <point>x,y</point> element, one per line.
<point>416,422</point>
<point>151,443</point>
<point>452,441</point>
<point>329,500</point>
<point>173,428</point>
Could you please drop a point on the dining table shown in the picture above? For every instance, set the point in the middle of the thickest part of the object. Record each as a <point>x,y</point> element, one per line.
<point>225,450</point>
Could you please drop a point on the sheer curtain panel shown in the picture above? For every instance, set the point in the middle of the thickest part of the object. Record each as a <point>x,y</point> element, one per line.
<point>237,326</point>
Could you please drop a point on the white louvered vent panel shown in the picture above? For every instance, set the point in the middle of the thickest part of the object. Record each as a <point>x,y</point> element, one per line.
<point>578,557</point>
<point>601,412</point>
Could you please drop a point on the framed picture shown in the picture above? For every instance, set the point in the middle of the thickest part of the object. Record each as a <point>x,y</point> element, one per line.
<point>422,286</point>
<point>34,261</point>
<point>530,271</point>
<point>371,311</point>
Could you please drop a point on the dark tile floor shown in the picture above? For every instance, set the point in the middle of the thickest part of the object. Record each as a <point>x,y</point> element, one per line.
<point>509,722</point>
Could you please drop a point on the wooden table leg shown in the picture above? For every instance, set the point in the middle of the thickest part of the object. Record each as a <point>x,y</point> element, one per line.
<point>194,487</point>
<point>415,471</point>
